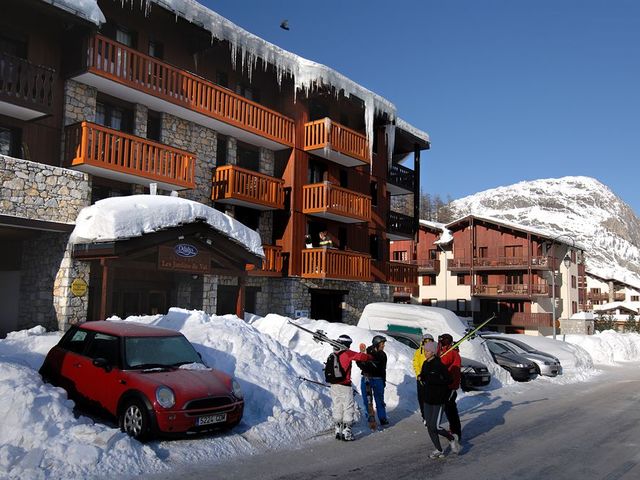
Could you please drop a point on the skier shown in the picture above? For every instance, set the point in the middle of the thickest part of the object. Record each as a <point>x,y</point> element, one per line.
<point>375,373</point>
<point>435,377</point>
<point>450,358</point>
<point>418,360</point>
<point>343,406</point>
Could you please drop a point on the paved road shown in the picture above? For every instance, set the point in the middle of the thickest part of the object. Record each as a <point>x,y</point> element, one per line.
<point>580,432</point>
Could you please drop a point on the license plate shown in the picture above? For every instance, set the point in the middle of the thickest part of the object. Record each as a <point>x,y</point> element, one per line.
<point>532,370</point>
<point>211,419</point>
<point>485,379</point>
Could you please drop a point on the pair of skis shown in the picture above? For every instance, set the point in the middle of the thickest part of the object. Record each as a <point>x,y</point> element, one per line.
<point>468,335</point>
<point>321,336</point>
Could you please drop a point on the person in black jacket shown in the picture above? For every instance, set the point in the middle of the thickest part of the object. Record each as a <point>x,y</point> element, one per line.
<point>435,377</point>
<point>375,372</point>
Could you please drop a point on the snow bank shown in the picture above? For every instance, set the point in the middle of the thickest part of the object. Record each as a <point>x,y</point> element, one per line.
<point>608,347</point>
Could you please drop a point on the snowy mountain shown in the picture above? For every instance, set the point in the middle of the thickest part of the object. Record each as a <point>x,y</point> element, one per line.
<point>581,207</point>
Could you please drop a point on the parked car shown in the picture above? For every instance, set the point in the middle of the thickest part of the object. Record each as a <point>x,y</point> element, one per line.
<point>520,368</point>
<point>525,346</point>
<point>150,379</point>
<point>545,365</point>
<point>474,374</point>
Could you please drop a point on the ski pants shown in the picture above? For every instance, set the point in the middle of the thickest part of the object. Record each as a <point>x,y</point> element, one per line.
<point>451,411</point>
<point>433,416</point>
<point>420,389</point>
<point>343,406</point>
<point>377,388</point>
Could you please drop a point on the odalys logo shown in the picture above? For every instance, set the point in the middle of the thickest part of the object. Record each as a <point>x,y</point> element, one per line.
<point>185,250</point>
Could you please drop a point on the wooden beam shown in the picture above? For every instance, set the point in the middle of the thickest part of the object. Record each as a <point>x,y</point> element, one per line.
<point>242,283</point>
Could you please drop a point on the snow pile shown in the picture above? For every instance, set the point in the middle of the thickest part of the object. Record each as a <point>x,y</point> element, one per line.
<point>127,217</point>
<point>43,439</point>
<point>87,9</point>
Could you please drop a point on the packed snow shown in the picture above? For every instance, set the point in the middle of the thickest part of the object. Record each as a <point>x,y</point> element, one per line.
<point>43,437</point>
<point>119,218</point>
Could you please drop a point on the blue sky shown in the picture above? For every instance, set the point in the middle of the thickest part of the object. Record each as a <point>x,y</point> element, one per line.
<point>508,90</point>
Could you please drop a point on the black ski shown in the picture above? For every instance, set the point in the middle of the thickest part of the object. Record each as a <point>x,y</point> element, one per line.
<point>320,336</point>
<point>469,335</point>
<point>371,413</point>
<point>313,381</point>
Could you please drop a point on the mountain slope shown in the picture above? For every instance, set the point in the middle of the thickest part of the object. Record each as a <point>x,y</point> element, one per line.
<point>579,206</point>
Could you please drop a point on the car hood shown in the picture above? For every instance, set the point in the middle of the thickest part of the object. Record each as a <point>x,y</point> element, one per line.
<point>188,383</point>
<point>538,358</point>
<point>514,357</point>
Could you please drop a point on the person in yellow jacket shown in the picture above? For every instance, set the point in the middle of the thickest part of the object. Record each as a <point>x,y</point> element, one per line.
<point>418,359</point>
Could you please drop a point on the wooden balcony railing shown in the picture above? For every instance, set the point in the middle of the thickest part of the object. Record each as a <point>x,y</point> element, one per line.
<point>497,263</point>
<point>504,290</point>
<point>133,158</point>
<point>401,179</point>
<point>27,85</point>
<point>598,296</point>
<point>271,264</point>
<point>334,202</point>
<point>324,138</point>
<point>524,319</point>
<point>335,264</point>
<point>400,226</point>
<point>403,274</point>
<point>233,184</point>
<point>428,266</point>
<point>114,61</point>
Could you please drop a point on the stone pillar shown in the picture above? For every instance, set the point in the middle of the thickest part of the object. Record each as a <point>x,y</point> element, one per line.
<point>141,113</point>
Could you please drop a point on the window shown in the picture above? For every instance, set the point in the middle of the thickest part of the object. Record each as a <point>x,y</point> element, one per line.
<point>125,36</point>
<point>10,141</point>
<point>156,49</point>
<point>462,305</point>
<point>248,156</point>
<point>250,93</point>
<point>221,150</point>
<point>483,252</point>
<point>114,116</point>
<point>154,125</point>
<point>374,247</point>
<point>400,256</point>
<point>574,281</point>
<point>513,278</point>
<point>373,191</point>
<point>574,307</point>
<point>317,172</point>
<point>483,279</point>
<point>222,79</point>
<point>463,279</point>
<point>75,341</point>
<point>635,298</point>
<point>104,346</point>
<point>428,280</point>
<point>344,120</point>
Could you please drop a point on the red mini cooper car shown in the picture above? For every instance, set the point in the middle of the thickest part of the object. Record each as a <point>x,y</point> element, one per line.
<point>150,379</point>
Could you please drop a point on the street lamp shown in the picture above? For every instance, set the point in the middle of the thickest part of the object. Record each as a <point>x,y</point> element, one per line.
<point>567,262</point>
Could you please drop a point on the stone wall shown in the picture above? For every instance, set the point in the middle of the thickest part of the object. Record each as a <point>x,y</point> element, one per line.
<point>79,103</point>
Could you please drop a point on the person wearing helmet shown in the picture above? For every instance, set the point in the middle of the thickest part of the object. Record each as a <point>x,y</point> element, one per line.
<point>375,372</point>
<point>342,405</point>
<point>418,360</point>
<point>450,358</point>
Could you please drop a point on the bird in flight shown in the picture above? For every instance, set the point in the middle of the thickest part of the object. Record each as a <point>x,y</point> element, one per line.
<point>284,25</point>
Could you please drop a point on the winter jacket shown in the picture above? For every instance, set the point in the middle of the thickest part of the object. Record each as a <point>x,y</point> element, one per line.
<point>377,367</point>
<point>346,357</point>
<point>453,363</point>
<point>418,360</point>
<point>436,378</point>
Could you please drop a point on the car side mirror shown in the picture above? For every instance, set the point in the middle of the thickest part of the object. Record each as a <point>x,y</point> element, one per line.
<point>102,363</point>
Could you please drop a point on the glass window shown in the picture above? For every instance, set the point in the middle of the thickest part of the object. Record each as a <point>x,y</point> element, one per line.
<point>146,352</point>
<point>75,341</point>
<point>104,346</point>
<point>124,36</point>
<point>156,49</point>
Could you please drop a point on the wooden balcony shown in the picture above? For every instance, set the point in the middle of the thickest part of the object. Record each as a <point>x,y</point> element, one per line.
<point>138,78</point>
<point>598,296</point>
<point>239,186</point>
<point>401,180</point>
<point>402,274</point>
<point>26,89</point>
<point>501,263</point>
<point>108,153</point>
<point>511,291</point>
<point>271,265</point>
<point>332,202</point>
<point>330,140</point>
<point>428,267</point>
<point>330,263</point>
<point>400,226</point>
<point>524,319</point>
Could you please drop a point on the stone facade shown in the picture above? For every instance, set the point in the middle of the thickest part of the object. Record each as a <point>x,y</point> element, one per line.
<point>79,103</point>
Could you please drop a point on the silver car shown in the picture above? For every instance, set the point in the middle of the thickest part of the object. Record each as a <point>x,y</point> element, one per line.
<point>546,366</point>
<point>526,347</point>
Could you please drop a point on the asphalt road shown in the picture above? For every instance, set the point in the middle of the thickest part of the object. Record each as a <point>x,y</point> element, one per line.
<point>582,431</point>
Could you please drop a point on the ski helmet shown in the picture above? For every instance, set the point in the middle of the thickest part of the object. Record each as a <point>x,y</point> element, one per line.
<point>345,340</point>
<point>445,339</point>
<point>377,340</point>
<point>427,336</point>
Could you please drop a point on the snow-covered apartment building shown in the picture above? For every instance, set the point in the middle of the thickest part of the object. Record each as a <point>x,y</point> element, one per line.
<point>612,296</point>
<point>102,98</point>
<point>478,266</point>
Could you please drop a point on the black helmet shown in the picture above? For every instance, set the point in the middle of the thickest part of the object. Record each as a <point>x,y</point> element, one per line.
<point>445,339</point>
<point>378,339</point>
<point>345,340</point>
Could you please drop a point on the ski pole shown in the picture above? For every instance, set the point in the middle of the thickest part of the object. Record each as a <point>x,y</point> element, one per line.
<point>468,335</point>
<point>313,381</point>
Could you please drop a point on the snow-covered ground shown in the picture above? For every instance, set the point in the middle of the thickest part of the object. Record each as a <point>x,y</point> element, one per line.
<point>43,438</point>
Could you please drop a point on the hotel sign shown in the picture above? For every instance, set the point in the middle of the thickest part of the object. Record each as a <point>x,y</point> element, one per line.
<point>183,257</point>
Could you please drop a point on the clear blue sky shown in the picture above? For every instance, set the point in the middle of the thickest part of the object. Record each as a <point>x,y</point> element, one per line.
<point>508,90</point>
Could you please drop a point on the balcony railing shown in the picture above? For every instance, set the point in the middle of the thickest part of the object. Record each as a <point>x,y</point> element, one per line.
<point>518,290</point>
<point>337,143</point>
<point>598,296</point>
<point>524,319</point>
<point>109,153</point>
<point>400,226</point>
<point>501,263</point>
<point>401,180</point>
<point>428,266</point>
<point>27,86</point>
<point>119,63</point>
<point>271,264</point>
<point>239,186</point>
<point>403,274</point>
<point>335,203</point>
<point>335,264</point>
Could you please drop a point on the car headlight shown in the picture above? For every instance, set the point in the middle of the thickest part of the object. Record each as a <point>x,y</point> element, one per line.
<point>235,388</point>
<point>165,397</point>
<point>548,363</point>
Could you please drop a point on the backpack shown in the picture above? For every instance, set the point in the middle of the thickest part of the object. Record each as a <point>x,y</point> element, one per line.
<point>333,371</point>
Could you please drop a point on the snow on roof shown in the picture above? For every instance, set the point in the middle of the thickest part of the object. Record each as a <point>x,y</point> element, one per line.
<point>120,218</point>
<point>633,306</point>
<point>401,124</point>
<point>87,9</point>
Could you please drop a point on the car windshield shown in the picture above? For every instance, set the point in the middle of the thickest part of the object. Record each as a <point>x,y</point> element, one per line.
<point>514,347</point>
<point>495,347</point>
<point>159,352</point>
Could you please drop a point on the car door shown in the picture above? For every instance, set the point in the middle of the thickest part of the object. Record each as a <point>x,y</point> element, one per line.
<point>70,360</point>
<point>102,383</point>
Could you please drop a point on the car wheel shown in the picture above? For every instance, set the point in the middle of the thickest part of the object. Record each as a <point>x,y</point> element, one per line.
<point>134,420</point>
